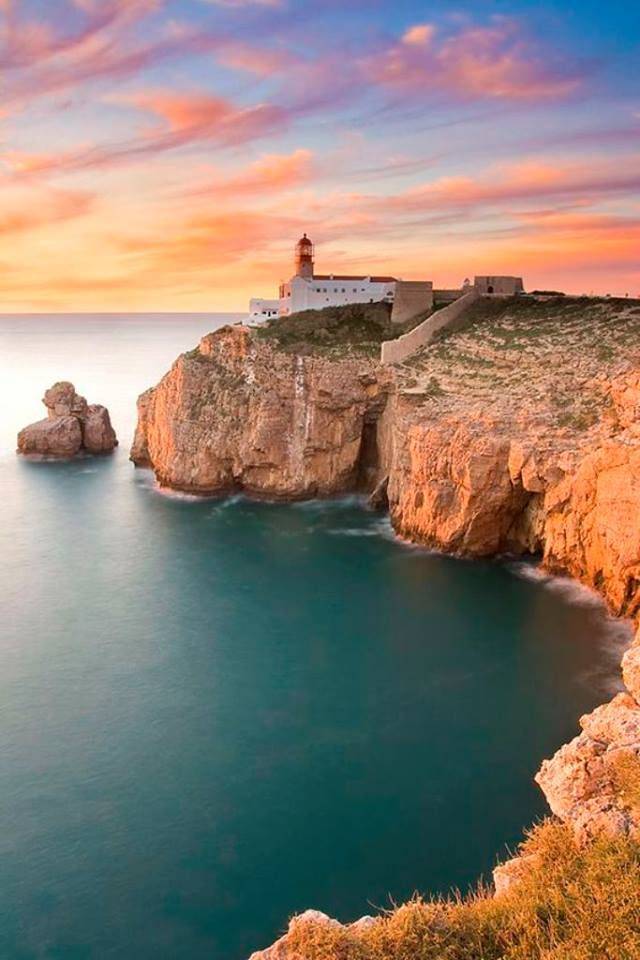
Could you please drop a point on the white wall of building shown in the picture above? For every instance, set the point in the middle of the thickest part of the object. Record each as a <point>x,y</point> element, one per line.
<point>301,294</point>
<point>261,309</point>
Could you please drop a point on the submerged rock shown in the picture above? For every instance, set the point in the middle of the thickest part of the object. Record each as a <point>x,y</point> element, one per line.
<point>71,426</point>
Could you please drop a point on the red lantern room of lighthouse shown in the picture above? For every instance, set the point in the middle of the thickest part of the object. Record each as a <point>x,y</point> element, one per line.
<point>304,258</point>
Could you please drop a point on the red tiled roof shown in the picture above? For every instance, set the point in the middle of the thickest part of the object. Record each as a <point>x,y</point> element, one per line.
<point>336,276</point>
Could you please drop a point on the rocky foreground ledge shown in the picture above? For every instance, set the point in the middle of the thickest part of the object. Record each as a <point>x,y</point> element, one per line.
<point>520,433</point>
<point>72,426</point>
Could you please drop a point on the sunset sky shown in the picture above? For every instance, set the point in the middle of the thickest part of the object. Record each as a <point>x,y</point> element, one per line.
<point>166,154</point>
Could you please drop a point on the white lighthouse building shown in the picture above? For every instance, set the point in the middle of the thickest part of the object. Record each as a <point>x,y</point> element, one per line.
<point>307,290</point>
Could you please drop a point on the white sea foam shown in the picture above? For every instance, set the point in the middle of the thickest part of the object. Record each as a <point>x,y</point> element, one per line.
<point>574,591</point>
<point>222,505</point>
<point>529,571</point>
<point>351,501</point>
<point>146,478</point>
<point>354,532</point>
<point>614,635</point>
<point>384,528</point>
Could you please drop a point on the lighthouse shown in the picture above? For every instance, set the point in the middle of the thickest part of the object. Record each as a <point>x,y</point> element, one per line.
<point>304,258</point>
<point>308,290</point>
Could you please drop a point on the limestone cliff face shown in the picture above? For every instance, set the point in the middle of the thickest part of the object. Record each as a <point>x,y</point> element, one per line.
<point>593,782</point>
<point>239,414</point>
<point>466,482</point>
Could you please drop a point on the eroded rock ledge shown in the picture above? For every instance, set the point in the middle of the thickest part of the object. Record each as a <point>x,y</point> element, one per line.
<point>520,433</point>
<point>70,427</point>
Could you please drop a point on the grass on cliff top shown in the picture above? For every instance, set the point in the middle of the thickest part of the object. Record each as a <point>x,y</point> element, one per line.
<point>517,321</point>
<point>571,904</point>
<point>357,328</point>
<point>553,355</point>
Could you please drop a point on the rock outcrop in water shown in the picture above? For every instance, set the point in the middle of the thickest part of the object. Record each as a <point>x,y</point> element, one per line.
<point>72,426</point>
<point>520,433</point>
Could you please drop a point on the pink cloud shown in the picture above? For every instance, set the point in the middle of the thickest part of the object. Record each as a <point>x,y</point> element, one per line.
<point>492,62</point>
<point>30,42</point>
<point>533,181</point>
<point>254,59</point>
<point>189,117</point>
<point>49,56</point>
<point>185,119</point>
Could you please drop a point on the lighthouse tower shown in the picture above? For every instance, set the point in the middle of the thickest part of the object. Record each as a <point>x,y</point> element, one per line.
<point>304,258</point>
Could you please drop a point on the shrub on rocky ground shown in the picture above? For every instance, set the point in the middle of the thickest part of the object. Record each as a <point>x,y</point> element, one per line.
<point>355,327</point>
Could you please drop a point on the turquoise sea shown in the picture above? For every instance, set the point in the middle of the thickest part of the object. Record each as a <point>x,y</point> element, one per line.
<point>214,714</point>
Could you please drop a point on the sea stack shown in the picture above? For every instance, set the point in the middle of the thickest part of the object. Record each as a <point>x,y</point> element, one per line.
<point>72,426</point>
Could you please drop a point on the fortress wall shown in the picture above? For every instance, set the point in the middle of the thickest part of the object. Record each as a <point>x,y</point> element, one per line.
<point>499,286</point>
<point>394,351</point>
<point>447,296</point>
<point>411,298</point>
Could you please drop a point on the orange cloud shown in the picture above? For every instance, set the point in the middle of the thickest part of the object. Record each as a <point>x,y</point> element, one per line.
<point>26,210</point>
<point>419,35</point>
<point>204,244</point>
<point>273,173</point>
<point>205,117</point>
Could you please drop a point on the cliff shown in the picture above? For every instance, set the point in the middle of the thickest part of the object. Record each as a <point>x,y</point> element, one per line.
<point>519,433</point>
<point>522,433</point>
<point>241,413</point>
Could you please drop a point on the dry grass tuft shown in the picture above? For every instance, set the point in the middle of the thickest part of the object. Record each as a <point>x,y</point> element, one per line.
<point>626,766</point>
<point>572,904</point>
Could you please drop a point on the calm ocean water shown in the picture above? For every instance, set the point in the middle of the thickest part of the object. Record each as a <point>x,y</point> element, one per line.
<point>215,714</point>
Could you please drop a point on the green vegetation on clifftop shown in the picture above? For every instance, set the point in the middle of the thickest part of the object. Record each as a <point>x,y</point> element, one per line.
<point>356,328</point>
